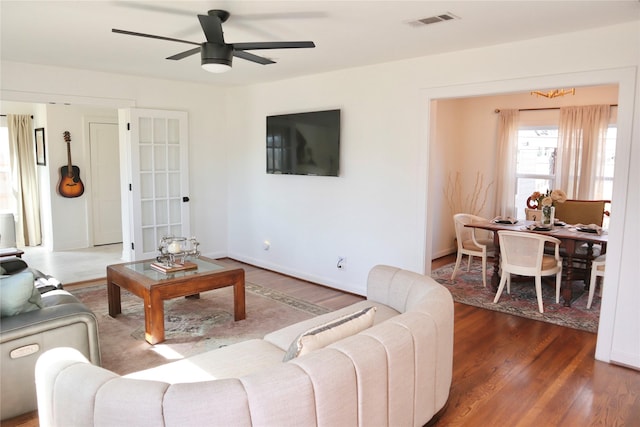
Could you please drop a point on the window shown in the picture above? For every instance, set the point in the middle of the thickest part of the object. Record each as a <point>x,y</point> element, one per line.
<point>536,168</point>
<point>535,163</point>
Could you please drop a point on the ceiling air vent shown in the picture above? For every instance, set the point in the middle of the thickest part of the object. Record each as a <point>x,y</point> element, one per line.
<point>434,19</point>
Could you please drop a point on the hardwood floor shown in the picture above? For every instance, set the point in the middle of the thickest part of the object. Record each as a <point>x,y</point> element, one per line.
<point>518,372</point>
<point>507,370</point>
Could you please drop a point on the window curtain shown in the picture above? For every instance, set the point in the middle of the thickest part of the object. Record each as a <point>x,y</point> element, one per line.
<point>24,179</point>
<point>507,145</point>
<point>582,134</point>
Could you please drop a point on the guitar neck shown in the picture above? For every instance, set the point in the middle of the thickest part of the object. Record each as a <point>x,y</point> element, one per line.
<point>69,167</point>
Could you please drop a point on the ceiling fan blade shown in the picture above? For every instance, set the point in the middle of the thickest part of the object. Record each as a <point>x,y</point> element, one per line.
<point>280,16</point>
<point>185,54</point>
<point>212,27</point>
<point>151,36</point>
<point>251,57</point>
<point>153,8</point>
<point>273,45</point>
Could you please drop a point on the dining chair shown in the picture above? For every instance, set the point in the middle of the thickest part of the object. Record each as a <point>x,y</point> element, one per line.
<point>583,212</point>
<point>597,270</point>
<point>532,214</point>
<point>471,245</point>
<point>523,254</point>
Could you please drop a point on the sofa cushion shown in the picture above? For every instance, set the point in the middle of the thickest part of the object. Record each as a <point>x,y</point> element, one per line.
<point>18,294</point>
<point>285,336</point>
<point>325,334</point>
<point>232,361</point>
<point>12,265</point>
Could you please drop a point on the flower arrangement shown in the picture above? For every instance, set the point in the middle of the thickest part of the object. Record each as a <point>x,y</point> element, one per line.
<point>546,202</point>
<point>552,197</point>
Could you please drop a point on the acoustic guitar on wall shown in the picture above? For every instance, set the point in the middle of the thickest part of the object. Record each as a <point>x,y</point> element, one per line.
<point>70,183</point>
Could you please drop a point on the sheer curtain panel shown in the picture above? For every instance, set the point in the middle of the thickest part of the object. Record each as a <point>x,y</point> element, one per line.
<point>581,135</point>
<point>24,179</point>
<point>506,163</point>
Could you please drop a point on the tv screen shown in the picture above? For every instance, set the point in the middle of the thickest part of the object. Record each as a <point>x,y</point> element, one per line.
<point>304,143</point>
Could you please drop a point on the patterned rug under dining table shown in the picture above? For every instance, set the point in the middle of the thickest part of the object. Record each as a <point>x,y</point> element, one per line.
<point>570,239</point>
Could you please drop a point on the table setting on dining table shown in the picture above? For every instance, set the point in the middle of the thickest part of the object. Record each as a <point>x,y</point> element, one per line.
<point>558,226</point>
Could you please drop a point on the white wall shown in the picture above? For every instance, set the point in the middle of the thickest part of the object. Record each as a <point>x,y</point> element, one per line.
<point>445,169</point>
<point>376,211</point>
<point>370,214</point>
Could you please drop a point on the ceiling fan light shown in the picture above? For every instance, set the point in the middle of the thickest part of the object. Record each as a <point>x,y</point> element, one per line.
<point>216,67</point>
<point>216,58</point>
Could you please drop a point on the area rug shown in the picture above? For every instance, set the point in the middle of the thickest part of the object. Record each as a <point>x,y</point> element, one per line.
<point>467,288</point>
<point>192,326</point>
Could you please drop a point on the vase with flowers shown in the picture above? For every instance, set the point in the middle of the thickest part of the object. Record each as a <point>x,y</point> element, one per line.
<point>546,202</point>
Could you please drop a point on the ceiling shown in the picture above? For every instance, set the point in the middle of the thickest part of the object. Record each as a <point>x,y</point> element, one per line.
<point>347,34</point>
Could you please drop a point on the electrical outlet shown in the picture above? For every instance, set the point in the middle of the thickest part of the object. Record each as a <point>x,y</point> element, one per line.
<point>342,263</point>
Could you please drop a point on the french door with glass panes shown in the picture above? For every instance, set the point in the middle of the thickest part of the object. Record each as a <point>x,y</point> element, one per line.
<point>157,187</point>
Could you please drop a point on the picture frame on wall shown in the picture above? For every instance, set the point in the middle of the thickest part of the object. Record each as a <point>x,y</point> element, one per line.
<point>41,156</point>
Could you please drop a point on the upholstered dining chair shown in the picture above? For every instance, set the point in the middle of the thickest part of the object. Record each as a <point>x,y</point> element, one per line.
<point>582,211</point>
<point>471,245</point>
<point>523,254</point>
<point>597,270</point>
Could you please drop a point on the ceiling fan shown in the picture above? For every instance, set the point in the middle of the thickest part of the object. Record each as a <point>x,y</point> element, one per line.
<point>216,55</point>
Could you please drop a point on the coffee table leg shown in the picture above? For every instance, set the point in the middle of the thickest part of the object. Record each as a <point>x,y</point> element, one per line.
<point>113,296</point>
<point>239,310</point>
<point>153,319</point>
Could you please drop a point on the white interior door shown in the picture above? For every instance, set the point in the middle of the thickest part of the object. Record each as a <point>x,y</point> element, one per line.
<point>159,184</point>
<point>105,183</point>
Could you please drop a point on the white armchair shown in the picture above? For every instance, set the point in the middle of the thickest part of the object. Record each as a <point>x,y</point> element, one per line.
<point>471,245</point>
<point>523,254</point>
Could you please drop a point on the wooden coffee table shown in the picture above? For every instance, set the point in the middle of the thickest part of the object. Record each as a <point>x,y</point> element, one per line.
<point>155,287</point>
<point>6,252</point>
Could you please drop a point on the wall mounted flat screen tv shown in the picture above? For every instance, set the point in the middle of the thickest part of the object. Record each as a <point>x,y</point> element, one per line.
<point>304,143</point>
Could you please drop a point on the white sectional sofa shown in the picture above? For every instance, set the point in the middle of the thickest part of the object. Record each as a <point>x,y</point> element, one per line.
<point>396,372</point>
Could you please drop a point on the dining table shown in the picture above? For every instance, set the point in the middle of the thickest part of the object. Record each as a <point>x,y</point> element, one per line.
<point>571,238</point>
